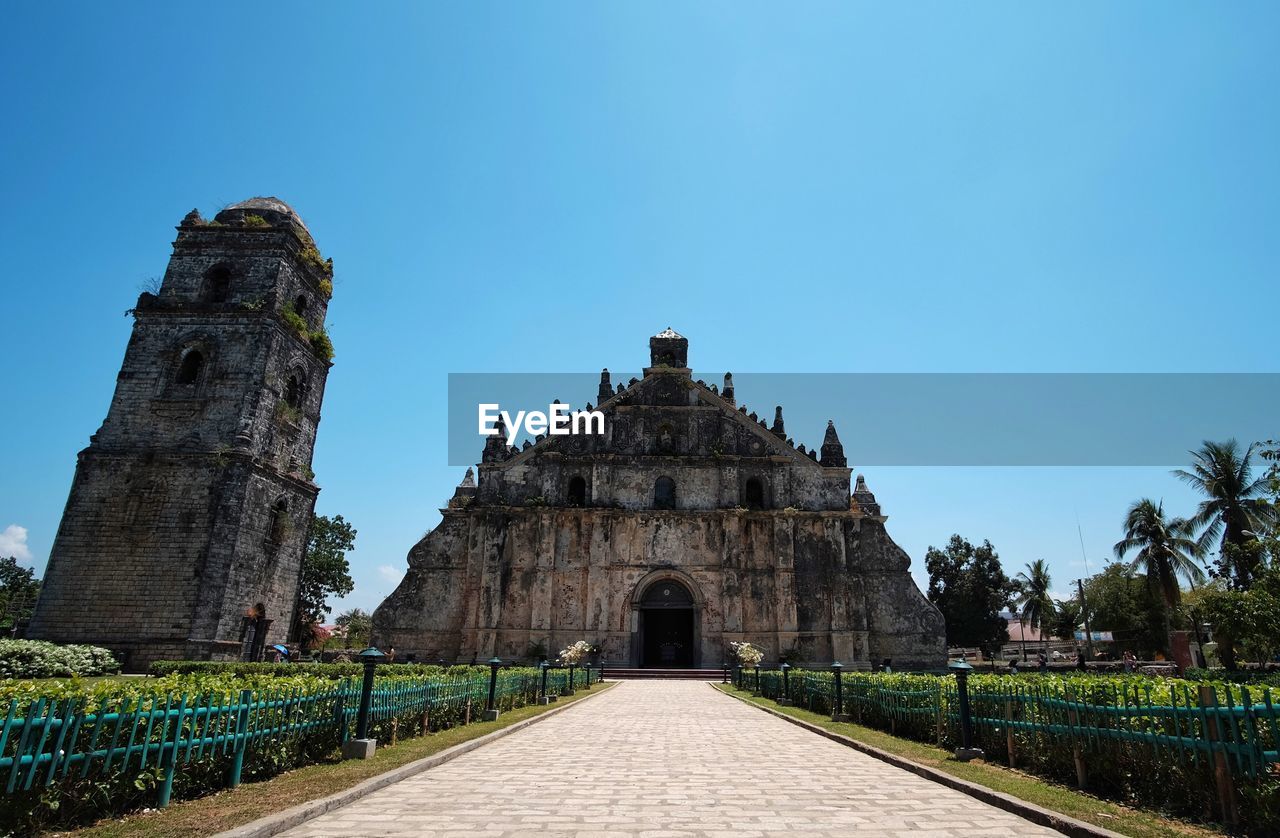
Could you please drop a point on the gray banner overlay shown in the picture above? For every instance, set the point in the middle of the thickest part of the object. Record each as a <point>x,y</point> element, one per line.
<point>945,419</point>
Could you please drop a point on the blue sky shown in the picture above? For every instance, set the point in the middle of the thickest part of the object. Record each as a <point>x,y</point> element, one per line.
<point>512,187</point>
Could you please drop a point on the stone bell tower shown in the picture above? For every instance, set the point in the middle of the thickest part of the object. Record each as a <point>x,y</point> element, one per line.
<point>183,533</point>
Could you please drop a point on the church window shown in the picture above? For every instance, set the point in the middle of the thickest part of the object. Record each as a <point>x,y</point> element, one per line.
<point>217,285</point>
<point>295,389</point>
<point>664,493</point>
<point>190,368</point>
<point>754,493</point>
<point>577,491</point>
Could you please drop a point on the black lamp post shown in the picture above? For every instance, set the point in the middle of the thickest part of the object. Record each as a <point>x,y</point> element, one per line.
<point>490,707</point>
<point>740,676</point>
<point>362,747</point>
<point>725,666</point>
<point>785,701</point>
<point>837,712</point>
<point>586,673</point>
<point>600,672</point>
<point>542,697</point>
<point>757,679</point>
<point>966,751</point>
<point>572,666</point>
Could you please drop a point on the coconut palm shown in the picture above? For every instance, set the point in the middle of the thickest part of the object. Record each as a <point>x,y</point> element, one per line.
<point>1033,600</point>
<point>1166,549</point>
<point>1234,508</point>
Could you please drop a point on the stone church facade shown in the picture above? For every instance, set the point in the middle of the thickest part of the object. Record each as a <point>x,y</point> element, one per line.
<point>183,533</point>
<point>688,524</point>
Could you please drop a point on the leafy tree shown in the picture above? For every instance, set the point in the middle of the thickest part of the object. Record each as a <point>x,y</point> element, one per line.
<point>1066,618</point>
<point>1234,508</point>
<point>1248,620</point>
<point>325,572</point>
<point>1165,550</point>
<point>19,588</point>
<point>358,624</point>
<point>970,588</point>
<point>1125,604</point>
<point>1033,600</point>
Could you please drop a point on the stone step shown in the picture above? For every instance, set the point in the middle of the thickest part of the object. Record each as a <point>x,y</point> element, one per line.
<point>623,674</point>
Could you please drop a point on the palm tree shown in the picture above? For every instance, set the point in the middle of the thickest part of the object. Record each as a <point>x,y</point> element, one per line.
<point>1234,507</point>
<point>1033,598</point>
<point>1166,549</point>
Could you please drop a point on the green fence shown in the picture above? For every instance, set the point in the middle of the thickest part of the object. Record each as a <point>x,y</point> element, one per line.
<point>1157,742</point>
<point>46,741</point>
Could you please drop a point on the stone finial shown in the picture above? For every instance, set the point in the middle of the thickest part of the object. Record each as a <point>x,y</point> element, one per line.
<point>727,391</point>
<point>621,386</point>
<point>832,450</point>
<point>863,498</point>
<point>468,480</point>
<point>495,447</point>
<point>779,427</point>
<point>605,390</point>
<point>192,219</point>
<point>752,416</point>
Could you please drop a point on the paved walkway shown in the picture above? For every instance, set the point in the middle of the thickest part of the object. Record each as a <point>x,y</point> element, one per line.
<point>666,758</point>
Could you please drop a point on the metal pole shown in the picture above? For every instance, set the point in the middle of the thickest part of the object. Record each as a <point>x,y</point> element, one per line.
<point>572,666</point>
<point>586,675</point>
<point>837,667</point>
<point>366,701</point>
<point>725,666</point>
<point>543,695</point>
<point>757,679</point>
<point>494,663</point>
<point>1084,609</point>
<point>786,684</point>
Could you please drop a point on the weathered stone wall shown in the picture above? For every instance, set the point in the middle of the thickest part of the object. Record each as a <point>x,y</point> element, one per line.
<point>190,505</point>
<point>802,568</point>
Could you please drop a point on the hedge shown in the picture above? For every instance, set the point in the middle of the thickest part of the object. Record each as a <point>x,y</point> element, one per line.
<point>41,659</point>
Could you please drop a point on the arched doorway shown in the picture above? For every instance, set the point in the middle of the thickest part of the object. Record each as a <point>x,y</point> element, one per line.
<point>667,636</point>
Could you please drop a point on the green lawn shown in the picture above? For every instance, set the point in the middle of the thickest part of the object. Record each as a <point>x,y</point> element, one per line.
<point>1067,801</point>
<point>235,807</point>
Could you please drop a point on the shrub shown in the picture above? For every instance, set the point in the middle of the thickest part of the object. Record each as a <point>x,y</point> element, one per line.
<point>40,659</point>
<point>321,344</point>
<point>256,221</point>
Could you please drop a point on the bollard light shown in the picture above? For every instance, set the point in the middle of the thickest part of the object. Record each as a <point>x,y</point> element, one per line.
<point>600,672</point>
<point>757,679</point>
<point>572,667</point>
<point>740,676</point>
<point>491,709</point>
<point>725,666</point>
<point>586,673</point>
<point>362,747</point>
<point>786,684</point>
<point>542,695</point>
<point>966,751</point>
<point>837,712</point>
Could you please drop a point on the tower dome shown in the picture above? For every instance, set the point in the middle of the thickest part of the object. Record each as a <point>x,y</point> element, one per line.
<point>272,210</point>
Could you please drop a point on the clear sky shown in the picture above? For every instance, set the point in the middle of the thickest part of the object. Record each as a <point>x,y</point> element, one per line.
<point>506,187</point>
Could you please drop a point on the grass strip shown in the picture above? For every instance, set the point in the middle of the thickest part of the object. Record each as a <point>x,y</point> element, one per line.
<point>1067,801</point>
<point>230,808</point>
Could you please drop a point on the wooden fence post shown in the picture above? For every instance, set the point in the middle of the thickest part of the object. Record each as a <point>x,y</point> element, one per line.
<point>466,716</point>
<point>1008,733</point>
<point>426,722</point>
<point>395,729</point>
<point>1073,722</point>
<point>1221,768</point>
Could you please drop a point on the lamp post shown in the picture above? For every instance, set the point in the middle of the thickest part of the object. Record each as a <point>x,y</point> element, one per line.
<point>785,701</point>
<point>600,672</point>
<point>837,712</point>
<point>490,706</point>
<point>543,698</point>
<point>724,664</point>
<point>757,679</point>
<point>740,676</point>
<point>572,666</point>
<point>362,747</point>
<point>966,751</point>
<point>586,672</point>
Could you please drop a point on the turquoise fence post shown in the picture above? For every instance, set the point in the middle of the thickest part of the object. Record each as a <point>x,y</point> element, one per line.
<point>242,738</point>
<point>169,760</point>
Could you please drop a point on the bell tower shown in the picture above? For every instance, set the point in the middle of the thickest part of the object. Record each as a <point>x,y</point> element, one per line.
<point>183,533</point>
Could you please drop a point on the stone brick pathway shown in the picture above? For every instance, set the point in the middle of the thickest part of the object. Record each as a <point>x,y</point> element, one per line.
<point>666,758</point>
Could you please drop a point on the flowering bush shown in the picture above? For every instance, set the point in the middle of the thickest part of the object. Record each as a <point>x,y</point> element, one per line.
<point>746,654</point>
<point>576,652</point>
<point>40,659</point>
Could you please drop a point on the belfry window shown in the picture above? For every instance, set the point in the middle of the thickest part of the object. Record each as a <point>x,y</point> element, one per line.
<point>664,493</point>
<point>754,493</point>
<point>295,388</point>
<point>577,491</point>
<point>190,368</point>
<point>217,285</point>
<point>279,523</point>
<point>300,304</point>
